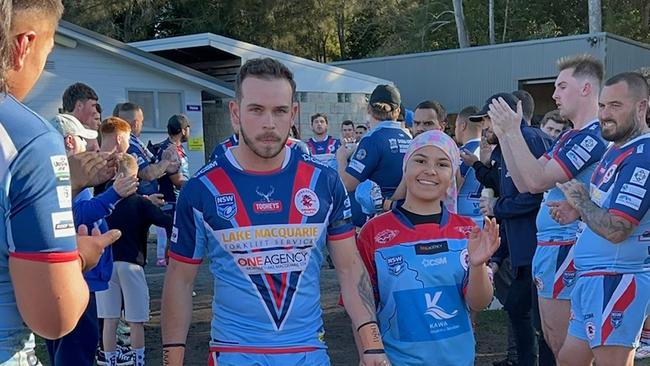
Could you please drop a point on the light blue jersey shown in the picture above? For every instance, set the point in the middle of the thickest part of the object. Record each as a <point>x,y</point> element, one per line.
<point>469,194</point>
<point>36,206</point>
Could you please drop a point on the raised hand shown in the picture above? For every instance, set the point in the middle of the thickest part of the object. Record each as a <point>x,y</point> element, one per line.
<point>562,212</point>
<point>92,247</point>
<point>503,118</point>
<point>125,185</point>
<point>468,158</point>
<point>483,243</point>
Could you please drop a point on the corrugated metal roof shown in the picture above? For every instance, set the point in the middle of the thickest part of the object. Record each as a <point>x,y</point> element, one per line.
<point>310,76</point>
<point>147,59</point>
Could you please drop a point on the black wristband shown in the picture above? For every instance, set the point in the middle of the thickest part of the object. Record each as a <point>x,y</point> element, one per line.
<point>366,323</point>
<point>377,351</point>
<point>173,345</point>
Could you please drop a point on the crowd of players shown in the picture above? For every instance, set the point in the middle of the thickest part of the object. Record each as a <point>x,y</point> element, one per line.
<point>423,222</point>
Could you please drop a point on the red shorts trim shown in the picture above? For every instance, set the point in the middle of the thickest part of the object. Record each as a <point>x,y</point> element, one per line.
<point>47,257</point>
<point>555,243</point>
<point>257,350</point>
<point>184,259</point>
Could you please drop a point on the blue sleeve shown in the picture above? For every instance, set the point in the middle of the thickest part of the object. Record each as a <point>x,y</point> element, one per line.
<point>188,239</point>
<point>142,160</point>
<point>87,211</point>
<point>537,143</point>
<point>578,153</point>
<point>39,217</point>
<point>340,219</point>
<point>365,159</point>
<point>518,205</point>
<point>337,144</point>
<point>627,198</point>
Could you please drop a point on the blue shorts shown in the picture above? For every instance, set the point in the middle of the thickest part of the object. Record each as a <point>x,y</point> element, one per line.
<point>609,310</point>
<point>553,270</point>
<point>314,358</point>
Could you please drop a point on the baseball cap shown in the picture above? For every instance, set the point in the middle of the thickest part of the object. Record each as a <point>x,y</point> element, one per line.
<point>177,123</point>
<point>68,124</point>
<point>386,94</point>
<point>507,97</point>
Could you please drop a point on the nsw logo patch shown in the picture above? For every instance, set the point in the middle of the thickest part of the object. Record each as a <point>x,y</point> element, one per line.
<point>226,206</point>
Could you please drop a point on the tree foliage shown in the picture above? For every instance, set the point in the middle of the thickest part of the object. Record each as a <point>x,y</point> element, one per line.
<point>327,30</point>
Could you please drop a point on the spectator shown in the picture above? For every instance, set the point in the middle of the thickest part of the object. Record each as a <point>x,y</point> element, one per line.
<point>80,100</point>
<point>322,146</point>
<point>553,124</point>
<point>429,115</point>
<point>527,104</point>
<point>360,131</point>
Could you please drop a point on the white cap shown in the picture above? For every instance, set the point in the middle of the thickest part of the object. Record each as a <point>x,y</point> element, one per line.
<point>68,124</point>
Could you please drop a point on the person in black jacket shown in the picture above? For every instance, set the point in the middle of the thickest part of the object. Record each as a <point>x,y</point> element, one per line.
<point>133,215</point>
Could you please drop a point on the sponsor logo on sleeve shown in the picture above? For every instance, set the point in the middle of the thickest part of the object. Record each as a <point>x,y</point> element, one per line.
<point>64,196</point>
<point>584,155</point>
<point>640,176</point>
<point>306,202</point>
<point>63,224</point>
<point>588,143</point>
<point>629,201</point>
<point>174,236</point>
<point>357,166</point>
<point>226,206</point>
<point>639,149</point>
<point>361,154</point>
<point>633,190</point>
<point>60,167</point>
<point>575,159</point>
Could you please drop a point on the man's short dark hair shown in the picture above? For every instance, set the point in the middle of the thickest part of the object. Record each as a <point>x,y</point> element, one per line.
<point>467,111</point>
<point>125,107</point>
<point>527,103</point>
<point>583,66</point>
<point>314,116</point>
<point>264,68</point>
<point>555,116</point>
<point>77,92</point>
<point>636,84</point>
<point>362,126</point>
<point>347,122</point>
<point>52,8</point>
<point>441,112</point>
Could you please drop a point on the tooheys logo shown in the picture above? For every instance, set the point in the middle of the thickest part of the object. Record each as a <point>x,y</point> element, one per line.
<point>266,205</point>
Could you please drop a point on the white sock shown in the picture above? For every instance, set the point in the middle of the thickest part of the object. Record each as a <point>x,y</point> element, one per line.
<point>139,356</point>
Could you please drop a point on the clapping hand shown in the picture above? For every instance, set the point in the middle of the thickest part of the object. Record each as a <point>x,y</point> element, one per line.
<point>503,118</point>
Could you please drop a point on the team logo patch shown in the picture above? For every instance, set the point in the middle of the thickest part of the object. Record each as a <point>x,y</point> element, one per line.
<point>64,196</point>
<point>539,283</point>
<point>395,265</point>
<point>568,278</point>
<point>266,204</point>
<point>616,318</point>
<point>588,143</point>
<point>226,206</point>
<point>590,330</point>
<point>385,236</point>
<point>640,176</point>
<point>361,154</point>
<point>63,224</point>
<point>60,167</point>
<point>464,259</point>
<point>174,236</point>
<point>306,202</point>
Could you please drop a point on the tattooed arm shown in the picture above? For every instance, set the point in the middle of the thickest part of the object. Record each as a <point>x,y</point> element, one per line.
<point>358,298</point>
<point>614,228</point>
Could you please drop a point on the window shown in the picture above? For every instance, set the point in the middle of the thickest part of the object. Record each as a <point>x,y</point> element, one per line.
<point>157,106</point>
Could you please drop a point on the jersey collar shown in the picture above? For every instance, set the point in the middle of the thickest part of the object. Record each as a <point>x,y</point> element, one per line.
<point>235,164</point>
<point>444,217</point>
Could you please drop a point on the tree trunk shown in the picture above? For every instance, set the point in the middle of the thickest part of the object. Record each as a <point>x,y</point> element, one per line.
<point>491,21</point>
<point>595,16</point>
<point>505,22</point>
<point>340,30</point>
<point>461,28</point>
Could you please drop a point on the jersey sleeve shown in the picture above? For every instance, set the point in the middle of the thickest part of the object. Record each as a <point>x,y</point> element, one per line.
<point>367,252</point>
<point>340,220</point>
<point>188,239</point>
<point>142,160</point>
<point>628,196</point>
<point>365,159</point>
<point>579,153</point>
<point>40,225</point>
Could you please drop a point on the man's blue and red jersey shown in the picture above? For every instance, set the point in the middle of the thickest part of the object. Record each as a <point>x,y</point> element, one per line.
<point>166,187</point>
<point>419,274</point>
<point>620,185</point>
<point>469,194</point>
<point>264,235</point>
<point>223,146</point>
<point>324,150</point>
<point>577,152</point>
<point>144,157</point>
<point>36,206</point>
<point>380,155</point>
